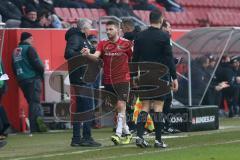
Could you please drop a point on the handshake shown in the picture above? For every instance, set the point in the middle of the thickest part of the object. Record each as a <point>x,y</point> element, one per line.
<point>85,51</point>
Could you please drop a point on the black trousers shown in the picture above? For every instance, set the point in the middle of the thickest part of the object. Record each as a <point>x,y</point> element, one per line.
<point>32,92</point>
<point>166,109</point>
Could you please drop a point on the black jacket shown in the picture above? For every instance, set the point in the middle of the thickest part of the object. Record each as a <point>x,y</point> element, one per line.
<point>200,79</point>
<point>8,10</point>
<point>132,35</point>
<point>76,40</point>
<point>153,45</point>
<point>26,23</point>
<point>226,73</point>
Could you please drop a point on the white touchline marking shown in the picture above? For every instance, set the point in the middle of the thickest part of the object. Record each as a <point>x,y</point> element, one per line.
<point>168,149</point>
<point>125,155</point>
<point>110,147</point>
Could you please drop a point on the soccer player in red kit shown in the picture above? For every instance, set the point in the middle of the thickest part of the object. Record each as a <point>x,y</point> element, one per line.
<point>115,52</point>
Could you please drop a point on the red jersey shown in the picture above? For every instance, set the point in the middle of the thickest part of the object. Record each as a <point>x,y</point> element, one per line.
<point>115,57</point>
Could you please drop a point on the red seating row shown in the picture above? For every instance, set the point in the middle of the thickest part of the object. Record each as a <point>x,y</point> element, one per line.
<point>181,18</point>
<point>73,14</point>
<point>224,19</point>
<point>144,15</point>
<point>210,3</point>
<point>188,19</point>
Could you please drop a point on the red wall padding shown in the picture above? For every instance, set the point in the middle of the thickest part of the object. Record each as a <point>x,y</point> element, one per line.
<point>50,45</point>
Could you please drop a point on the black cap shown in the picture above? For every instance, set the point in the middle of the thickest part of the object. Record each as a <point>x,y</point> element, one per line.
<point>25,35</point>
<point>92,38</point>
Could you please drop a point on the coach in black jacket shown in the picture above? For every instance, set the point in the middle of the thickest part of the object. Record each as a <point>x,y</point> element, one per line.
<point>77,40</point>
<point>153,45</point>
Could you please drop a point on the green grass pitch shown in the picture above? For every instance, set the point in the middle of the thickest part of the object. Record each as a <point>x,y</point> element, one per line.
<point>222,144</point>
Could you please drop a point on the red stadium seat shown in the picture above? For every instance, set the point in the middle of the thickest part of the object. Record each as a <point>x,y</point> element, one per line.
<point>67,15</point>
<point>88,13</point>
<point>102,12</point>
<point>74,13</point>
<point>64,14</point>
<point>81,13</point>
<point>59,13</point>
<point>95,14</point>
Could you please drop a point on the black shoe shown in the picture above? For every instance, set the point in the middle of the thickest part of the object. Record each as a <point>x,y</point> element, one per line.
<point>160,144</point>
<point>90,142</point>
<point>140,142</point>
<point>76,143</point>
<point>2,143</point>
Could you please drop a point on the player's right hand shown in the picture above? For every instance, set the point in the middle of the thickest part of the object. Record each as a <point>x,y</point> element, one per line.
<point>85,51</point>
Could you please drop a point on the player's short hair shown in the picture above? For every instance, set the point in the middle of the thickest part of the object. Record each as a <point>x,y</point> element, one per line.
<point>128,22</point>
<point>155,16</point>
<point>116,24</point>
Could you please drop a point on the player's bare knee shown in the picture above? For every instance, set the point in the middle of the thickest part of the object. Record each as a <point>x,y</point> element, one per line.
<point>158,106</point>
<point>146,106</point>
<point>121,106</point>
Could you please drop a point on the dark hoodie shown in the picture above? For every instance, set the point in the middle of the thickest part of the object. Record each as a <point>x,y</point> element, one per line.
<point>76,41</point>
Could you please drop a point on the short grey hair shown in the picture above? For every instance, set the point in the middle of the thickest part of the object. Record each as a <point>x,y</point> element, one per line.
<point>84,23</point>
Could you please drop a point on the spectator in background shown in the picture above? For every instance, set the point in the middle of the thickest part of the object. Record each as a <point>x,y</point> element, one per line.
<point>237,71</point>
<point>55,21</point>
<point>212,63</point>
<point>41,5</point>
<point>29,71</point>
<point>35,4</point>
<point>89,3</point>
<point>143,5</point>
<point>9,10</point>
<point>20,4</point>
<point>200,78</point>
<point>69,4</point>
<point>213,95</point>
<point>226,73</point>
<point>48,20</point>
<point>30,20</point>
<point>43,19</point>
<point>235,66</point>
<point>170,5</point>
<point>119,8</point>
<point>47,5</point>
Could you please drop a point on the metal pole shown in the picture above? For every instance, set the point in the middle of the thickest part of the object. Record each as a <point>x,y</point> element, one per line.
<point>189,72</point>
